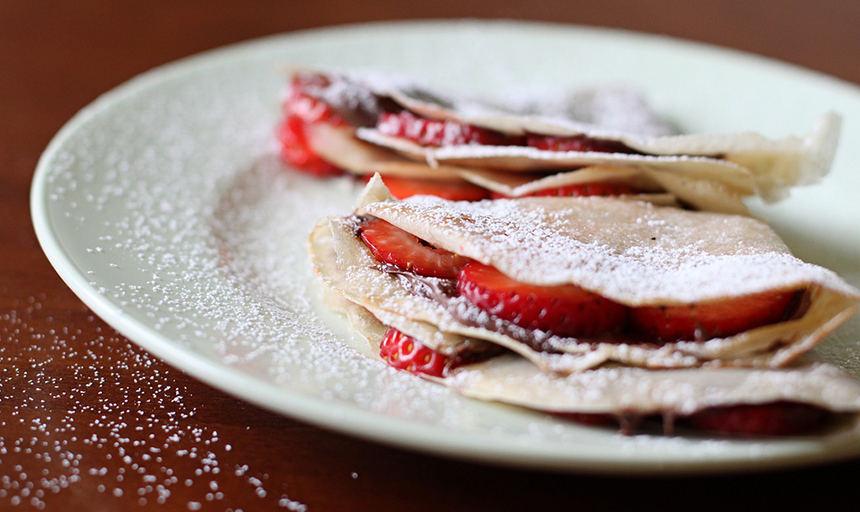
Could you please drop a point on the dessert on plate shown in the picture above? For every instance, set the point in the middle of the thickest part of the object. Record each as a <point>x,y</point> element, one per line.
<point>586,142</point>
<point>591,307</point>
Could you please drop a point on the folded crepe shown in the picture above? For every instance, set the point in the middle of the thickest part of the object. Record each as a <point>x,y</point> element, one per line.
<point>637,254</point>
<point>634,254</point>
<point>704,171</point>
<point>801,397</point>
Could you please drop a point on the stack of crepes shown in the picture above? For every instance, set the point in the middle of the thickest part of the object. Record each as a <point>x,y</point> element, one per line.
<point>674,313</point>
<point>550,143</point>
<point>664,300</point>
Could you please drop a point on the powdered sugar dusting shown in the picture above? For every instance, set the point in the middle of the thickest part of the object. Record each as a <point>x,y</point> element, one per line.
<point>113,444</point>
<point>612,108</point>
<point>632,252</point>
<point>609,109</point>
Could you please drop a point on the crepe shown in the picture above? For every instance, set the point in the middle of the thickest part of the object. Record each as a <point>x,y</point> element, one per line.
<point>715,170</point>
<point>633,253</point>
<point>748,162</point>
<point>629,394</point>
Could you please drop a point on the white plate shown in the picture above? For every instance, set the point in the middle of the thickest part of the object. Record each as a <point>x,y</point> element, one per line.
<point>161,206</point>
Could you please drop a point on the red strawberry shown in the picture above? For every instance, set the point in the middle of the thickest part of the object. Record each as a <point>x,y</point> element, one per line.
<point>588,418</point>
<point>406,353</point>
<point>434,132</point>
<point>576,143</point>
<point>716,319</point>
<point>300,110</point>
<point>401,188</point>
<point>565,310</point>
<point>773,419</point>
<point>393,245</point>
<point>302,103</point>
<point>296,151</point>
<point>581,190</point>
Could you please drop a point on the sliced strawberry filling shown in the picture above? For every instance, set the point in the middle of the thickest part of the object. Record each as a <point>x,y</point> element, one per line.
<point>580,190</point>
<point>304,106</point>
<point>770,419</point>
<point>744,420</point>
<point>568,310</point>
<point>577,143</point>
<point>296,151</point>
<point>397,247</point>
<point>406,353</point>
<point>435,132</point>
<point>718,319</point>
<point>301,110</point>
<point>571,311</point>
<point>401,188</point>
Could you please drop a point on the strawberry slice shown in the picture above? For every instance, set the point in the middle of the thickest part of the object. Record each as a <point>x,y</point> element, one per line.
<point>576,143</point>
<point>296,151</point>
<point>303,100</point>
<point>717,319</point>
<point>402,249</point>
<point>580,190</point>
<point>587,418</point>
<point>401,188</point>
<point>565,310</point>
<point>406,353</point>
<point>434,132</point>
<point>746,420</point>
<point>771,419</point>
<point>301,110</point>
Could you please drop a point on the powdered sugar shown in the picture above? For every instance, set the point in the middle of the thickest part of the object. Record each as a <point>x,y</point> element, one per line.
<point>621,115</point>
<point>634,253</point>
<point>114,444</point>
<point>608,109</point>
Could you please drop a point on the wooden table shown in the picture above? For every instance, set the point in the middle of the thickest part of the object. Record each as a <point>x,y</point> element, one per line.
<point>89,421</point>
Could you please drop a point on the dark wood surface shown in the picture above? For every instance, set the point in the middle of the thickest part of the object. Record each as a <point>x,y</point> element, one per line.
<point>89,421</point>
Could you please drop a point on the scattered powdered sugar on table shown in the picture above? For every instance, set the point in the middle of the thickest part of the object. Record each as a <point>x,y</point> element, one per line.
<point>109,442</point>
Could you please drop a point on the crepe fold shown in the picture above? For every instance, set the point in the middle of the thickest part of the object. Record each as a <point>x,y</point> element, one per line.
<point>633,252</point>
<point>704,171</point>
<point>631,391</point>
<point>745,163</point>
